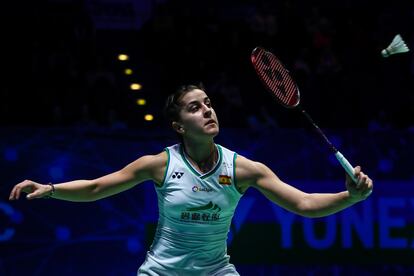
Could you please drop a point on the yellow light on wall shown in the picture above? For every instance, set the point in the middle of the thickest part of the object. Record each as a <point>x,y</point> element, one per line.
<point>148,117</point>
<point>123,57</point>
<point>135,86</point>
<point>128,71</point>
<point>141,102</point>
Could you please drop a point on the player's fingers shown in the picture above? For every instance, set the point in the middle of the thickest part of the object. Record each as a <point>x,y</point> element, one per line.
<point>16,191</point>
<point>35,194</point>
<point>24,186</point>
<point>368,190</point>
<point>362,178</point>
<point>354,180</point>
<point>357,170</point>
<point>370,183</point>
<point>12,193</point>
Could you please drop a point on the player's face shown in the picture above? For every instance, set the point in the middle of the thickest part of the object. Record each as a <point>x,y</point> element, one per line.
<point>197,116</point>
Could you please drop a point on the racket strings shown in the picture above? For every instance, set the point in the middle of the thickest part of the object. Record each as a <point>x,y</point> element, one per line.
<point>276,78</point>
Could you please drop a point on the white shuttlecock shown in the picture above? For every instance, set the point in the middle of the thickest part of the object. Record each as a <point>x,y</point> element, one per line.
<point>397,46</point>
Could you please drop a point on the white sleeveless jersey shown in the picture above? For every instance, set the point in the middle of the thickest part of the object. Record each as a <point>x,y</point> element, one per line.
<point>195,213</point>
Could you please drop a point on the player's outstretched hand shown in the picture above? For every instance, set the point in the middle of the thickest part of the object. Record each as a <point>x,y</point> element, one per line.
<point>32,189</point>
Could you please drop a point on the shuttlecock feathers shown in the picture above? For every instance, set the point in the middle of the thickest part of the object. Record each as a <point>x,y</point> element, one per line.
<point>397,46</point>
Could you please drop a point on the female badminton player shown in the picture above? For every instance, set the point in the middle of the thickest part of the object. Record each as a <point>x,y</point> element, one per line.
<point>198,184</point>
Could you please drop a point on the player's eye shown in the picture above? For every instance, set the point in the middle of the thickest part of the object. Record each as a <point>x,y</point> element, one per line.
<point>193,108</point>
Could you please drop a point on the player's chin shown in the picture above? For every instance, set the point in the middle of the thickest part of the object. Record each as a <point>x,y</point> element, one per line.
<point>212,129</point>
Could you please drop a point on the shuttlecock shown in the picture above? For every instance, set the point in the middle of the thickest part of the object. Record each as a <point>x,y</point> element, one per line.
<point>397,46</point>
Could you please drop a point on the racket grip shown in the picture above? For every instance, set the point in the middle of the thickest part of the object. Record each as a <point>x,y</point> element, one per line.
<point>346,165</point>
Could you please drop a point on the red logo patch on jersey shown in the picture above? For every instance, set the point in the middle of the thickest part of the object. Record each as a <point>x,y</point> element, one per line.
<point>224,179</point>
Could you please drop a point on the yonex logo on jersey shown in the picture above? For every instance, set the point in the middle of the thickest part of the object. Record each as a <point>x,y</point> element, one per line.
<point>177,175</point>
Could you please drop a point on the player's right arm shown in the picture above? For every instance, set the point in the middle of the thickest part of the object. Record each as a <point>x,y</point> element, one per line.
<point>149,167</point>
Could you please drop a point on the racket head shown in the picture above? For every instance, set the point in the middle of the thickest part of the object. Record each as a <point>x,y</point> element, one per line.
<point>275,77</point>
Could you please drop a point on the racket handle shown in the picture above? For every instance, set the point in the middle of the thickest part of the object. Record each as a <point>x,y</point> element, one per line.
<point>346,165</point>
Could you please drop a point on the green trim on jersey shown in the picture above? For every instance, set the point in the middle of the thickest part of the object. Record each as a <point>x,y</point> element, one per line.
<point>234,174</point>
<point>218,163</point>
<point>166,168</point>
<point>187,163</point>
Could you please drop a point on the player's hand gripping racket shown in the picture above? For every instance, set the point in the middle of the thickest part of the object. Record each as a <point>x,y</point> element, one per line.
<point>278,81</point>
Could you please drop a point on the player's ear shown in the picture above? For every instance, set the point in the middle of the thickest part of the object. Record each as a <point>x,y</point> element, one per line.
<point>177,127</point>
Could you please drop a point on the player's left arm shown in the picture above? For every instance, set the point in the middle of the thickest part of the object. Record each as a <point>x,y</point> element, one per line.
<point>257,175</point>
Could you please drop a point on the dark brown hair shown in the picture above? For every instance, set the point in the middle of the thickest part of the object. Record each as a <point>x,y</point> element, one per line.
<point>173,103</point>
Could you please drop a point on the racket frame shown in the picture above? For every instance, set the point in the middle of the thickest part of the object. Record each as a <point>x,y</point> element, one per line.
<point>339,156</point>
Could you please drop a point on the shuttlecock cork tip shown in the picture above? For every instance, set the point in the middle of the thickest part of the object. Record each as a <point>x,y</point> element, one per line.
<point>385,53</point>
<point>397,46</point>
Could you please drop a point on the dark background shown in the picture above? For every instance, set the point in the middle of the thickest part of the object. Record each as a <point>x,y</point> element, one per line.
<point>66,112</point>
<point>60,66</point>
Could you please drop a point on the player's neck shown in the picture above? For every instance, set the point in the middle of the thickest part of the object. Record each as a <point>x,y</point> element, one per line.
<point>202,155</point>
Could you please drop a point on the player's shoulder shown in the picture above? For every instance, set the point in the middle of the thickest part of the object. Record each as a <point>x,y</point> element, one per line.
<point>247,172</point>
<point>156,160</point>
<point>246,166</point>
<point>149,162</point>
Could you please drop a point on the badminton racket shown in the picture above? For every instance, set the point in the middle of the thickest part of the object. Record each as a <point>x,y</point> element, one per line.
<point>280,84</point>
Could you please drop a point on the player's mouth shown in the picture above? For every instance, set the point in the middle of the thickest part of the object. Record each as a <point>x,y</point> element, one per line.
<point>210,122</point>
